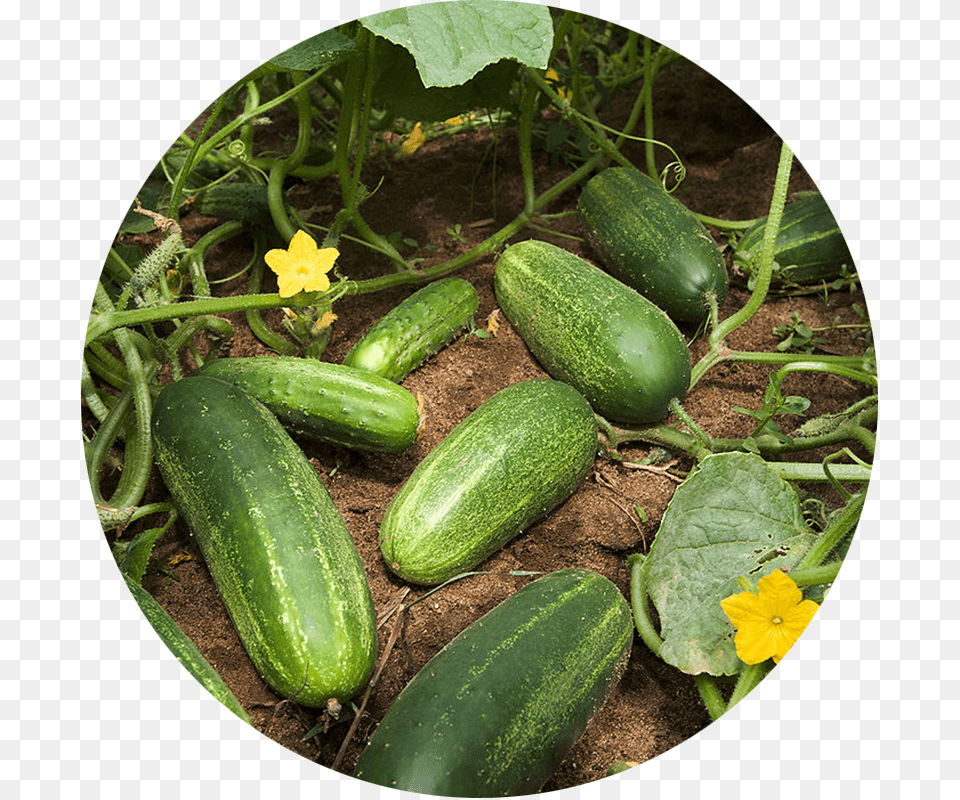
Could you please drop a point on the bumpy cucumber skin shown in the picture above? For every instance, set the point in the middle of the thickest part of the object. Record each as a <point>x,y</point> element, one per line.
<point>416,329</point>
<point>590,330</point>
<point>515,458</point>
<point>494,713</point>
<point>809,247</point>
<point>245,202</point>
<point>184,649</point>
<point>277,548</point>
<point>652,242</point>
<point>332,402</point>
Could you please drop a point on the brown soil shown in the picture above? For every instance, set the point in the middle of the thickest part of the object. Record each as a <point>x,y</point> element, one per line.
<point>731,157</point>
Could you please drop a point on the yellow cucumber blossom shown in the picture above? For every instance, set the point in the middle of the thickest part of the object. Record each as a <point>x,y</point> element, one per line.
<point>302,266</point>
<point>412,143</point>
<point>551,77</point>
<point>770,622</point>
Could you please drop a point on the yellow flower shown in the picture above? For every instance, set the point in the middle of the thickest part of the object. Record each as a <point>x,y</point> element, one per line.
<point>551,77</point>
<point>326,320</point>
<point>769,623</point>
<point>302,266</point>
<point>412,143</point>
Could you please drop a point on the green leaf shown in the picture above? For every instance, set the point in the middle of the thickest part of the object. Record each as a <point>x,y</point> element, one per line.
<point>134,556</point>
<point>733,516</point>
<point>398,84</point>
<point>323,50</point>
<point>451,42</point>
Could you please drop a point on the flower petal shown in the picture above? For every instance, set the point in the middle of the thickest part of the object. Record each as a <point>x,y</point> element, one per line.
<point>279,261</point>
<point>289,283</point>
<point>755,643</point>
<point>744,608</point>
<point>779,590</point>
<point>303,249</point>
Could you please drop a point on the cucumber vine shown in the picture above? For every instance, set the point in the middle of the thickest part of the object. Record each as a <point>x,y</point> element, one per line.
<point>152,310</point>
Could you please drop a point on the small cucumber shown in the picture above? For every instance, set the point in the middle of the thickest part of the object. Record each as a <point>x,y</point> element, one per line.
<point>246,202</point>
<point>652,242</point>
<point>809,247</point>
<point>416,329</point>
<point>276,547</point>
<point>590,330</point>
<point>184,649</point>
<point>332,402</point>
<point>495,712</point>
<point>510,462</point>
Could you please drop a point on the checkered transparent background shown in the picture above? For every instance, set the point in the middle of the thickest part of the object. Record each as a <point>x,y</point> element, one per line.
<point>866,94</point>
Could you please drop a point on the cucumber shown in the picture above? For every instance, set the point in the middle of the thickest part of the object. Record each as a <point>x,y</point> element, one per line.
<point>590,330</point>
<point>515,458</point>
<point>246,202</point>
<point>652,242</point>
<point>184,649</point>
<point>416,329</point>
<point>276,547</point>
<point>494,713</point>
<point>809,247</point>
<point>331,402</point>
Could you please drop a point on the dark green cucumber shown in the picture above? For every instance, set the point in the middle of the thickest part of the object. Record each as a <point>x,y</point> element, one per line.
<point>511,461</point>
<point>276,547</point>
<point>184,649</point>
<point>590,330</point>
<point>332,402</point>
<point>652,242</point>
<point>245,202</point>
<point>494,713</point>
<point>809,247</point>
<point>416,329</point>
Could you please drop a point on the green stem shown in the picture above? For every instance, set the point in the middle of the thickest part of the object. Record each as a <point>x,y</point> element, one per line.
<point>527,108</point>
<point>831,368</point>
<point>195,155</point>
<point>638,602</point>
<point>838,528</point>
<point>710,694</point>
<point>281,169</point>
<point>254,319</point>
<point>749,679</point>
<point>765,266</point>
<point>243,119</point>
<point>720,353</point>
<point>815,473</point>
<point>196,254</point>
<point>698,433</point>
<point>815,576</point>
<point>648,108</point>
<point>726,224</point>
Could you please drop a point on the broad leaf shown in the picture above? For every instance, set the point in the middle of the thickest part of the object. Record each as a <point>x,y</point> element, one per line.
<point>323,50</point>
<point>397,84</point>
<point>733,516</point>
<point>451,42</point>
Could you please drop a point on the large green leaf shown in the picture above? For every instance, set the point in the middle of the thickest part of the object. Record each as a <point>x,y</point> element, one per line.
<point>451,42</point>
<point>397,84</point>
<point>323,50</point>
<point>733,516</point>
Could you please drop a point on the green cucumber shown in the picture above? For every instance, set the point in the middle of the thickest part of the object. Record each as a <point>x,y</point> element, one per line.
<point>590,330</point>
<point>809,247</point>
<point>245,202</point>
<point>416,329</point>
<point>332,402</point>
<point>184,649</point>
<point>652,242</point>
<point>495,712</point>
<point>276,547</point>
<point>515,458</point>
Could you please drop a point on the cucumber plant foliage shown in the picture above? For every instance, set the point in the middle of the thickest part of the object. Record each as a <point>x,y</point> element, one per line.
<point>734,516</point>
